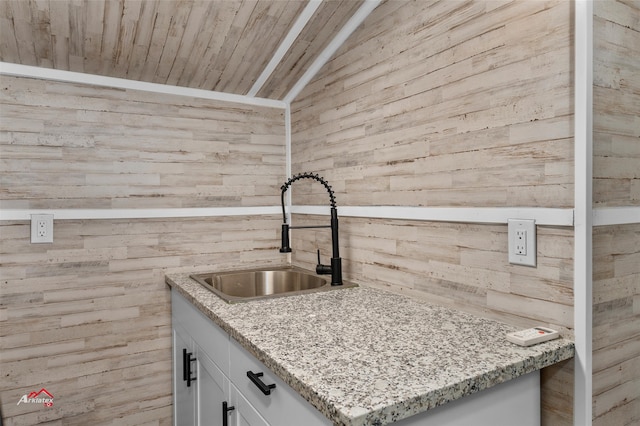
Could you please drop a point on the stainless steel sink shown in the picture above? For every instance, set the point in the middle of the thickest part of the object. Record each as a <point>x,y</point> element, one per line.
<point>246,285</point>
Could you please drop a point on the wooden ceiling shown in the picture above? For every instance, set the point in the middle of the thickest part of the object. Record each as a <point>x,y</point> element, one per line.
<point>221,45</point>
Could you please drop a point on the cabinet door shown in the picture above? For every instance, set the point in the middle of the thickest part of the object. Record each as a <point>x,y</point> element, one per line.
<point>213,388</point>
<point>211,338</point>
<point>184,397</point>
<point>243,414</point>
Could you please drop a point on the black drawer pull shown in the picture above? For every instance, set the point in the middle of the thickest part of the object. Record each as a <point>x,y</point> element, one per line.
<point>186,367</point>
<point>255,378</point>
<point>225,413</point>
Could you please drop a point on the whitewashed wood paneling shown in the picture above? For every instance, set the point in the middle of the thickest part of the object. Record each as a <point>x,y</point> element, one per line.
<point>210,45</point>
<point>461,105</point>
<point>461,265</point>
<point>75,146</point>
<point>616,325</point>
<point>616,110</point>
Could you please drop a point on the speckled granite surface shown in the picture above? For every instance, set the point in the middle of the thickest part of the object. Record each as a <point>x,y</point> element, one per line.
<point>367,357</point>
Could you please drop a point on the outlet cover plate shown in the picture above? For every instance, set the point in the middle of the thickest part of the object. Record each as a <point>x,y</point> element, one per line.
<point>522,242</point>
<point>41,228</point>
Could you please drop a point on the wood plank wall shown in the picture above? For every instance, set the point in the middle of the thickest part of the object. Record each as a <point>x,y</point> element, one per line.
<point>445,104</point>
<point>616,325</point>
<point>616,165</point>
<point>616,96</point>
<point>88,317</point>
<point>449,104</point>
<point>74,146</point>
<point>461,265</point>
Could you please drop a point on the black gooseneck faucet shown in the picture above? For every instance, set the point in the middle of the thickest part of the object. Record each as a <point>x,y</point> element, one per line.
<point>335,269</point>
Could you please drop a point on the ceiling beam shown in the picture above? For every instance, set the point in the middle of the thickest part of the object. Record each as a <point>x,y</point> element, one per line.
<point>348,28</point>
<point>28,71</point>
<point>286,44</point>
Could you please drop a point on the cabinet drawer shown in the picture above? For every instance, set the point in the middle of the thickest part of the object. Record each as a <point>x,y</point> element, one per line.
<point>283,406</point>
<point>211,338</point>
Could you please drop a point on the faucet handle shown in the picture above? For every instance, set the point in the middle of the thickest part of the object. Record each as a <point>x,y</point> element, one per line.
<point>322,269</point>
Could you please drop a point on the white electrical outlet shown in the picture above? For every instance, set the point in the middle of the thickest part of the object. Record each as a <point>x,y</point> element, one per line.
<point>41,228</point>
<point>522,241</point>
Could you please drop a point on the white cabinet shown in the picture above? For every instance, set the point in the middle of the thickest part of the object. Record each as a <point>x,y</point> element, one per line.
<point>227,376</point>
<point>211,373</point>
<point>200,383</point>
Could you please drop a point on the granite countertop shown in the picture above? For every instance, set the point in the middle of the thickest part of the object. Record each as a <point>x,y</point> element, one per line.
<point>364,356</point>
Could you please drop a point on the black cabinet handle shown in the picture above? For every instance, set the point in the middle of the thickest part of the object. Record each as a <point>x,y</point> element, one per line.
<point>255,378</point>
<point>186,367</point>
<point>225,413</point>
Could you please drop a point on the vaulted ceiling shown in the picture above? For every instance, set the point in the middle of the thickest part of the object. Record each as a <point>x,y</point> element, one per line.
<point>220,45</point>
